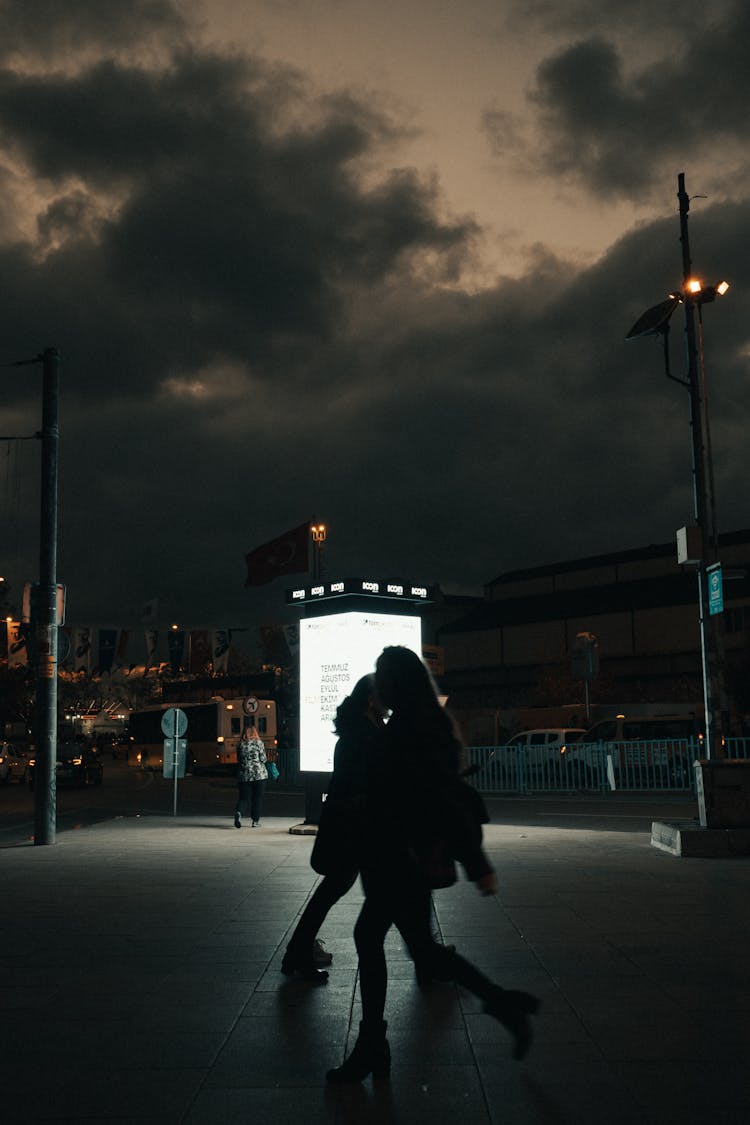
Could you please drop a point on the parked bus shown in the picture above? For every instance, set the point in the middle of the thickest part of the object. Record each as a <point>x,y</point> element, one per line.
<point>213,733</point>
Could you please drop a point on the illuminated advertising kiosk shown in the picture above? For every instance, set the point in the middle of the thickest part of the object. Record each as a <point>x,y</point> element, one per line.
<point>348,624</point>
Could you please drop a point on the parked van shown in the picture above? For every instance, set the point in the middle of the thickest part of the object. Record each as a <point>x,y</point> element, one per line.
<point>634,750</point>
<point>652,728</point>
<point>548,742</point>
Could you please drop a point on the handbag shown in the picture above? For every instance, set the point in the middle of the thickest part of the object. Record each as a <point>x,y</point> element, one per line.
<point>466,798</point>
<point>452,832</point>
<point>436,865</point>
<point>335,848</point>
<point>273,771</point>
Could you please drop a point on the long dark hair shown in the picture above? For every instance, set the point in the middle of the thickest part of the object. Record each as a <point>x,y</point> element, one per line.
<point>355,705</point>
<point>407,684</point>
<point>407,687</point>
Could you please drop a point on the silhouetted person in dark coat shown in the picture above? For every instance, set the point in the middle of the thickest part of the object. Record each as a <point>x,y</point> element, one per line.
<point>358,724</point>
<point>403,820</point>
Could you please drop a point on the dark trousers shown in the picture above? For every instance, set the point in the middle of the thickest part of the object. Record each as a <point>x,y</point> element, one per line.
<point>400,898</point>
<point>326,894</point>
<point>250,796</point>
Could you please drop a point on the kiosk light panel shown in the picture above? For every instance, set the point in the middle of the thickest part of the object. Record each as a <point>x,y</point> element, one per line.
<point>335,651</point>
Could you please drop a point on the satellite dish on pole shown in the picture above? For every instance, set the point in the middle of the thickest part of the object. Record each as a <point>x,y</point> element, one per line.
<point>654,320</point>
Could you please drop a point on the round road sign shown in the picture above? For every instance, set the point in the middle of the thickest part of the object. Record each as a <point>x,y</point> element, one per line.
<point>174,723</point>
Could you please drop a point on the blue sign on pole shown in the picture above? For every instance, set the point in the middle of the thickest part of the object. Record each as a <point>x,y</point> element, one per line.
<point>715,589</point>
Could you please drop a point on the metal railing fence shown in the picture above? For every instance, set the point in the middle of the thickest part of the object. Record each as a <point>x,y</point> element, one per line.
<point>596,766</point>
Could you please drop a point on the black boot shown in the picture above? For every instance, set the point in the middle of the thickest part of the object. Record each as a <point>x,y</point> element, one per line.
<point>438,966</point>
<point>302,966</point>
<point>371,1055</point>
<point>512,1009</point>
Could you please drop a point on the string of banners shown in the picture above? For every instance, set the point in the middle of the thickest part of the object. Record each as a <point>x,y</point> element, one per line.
<point>85,648</point>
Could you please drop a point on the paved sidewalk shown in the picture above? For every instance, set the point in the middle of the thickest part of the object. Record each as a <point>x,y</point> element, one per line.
<point>141,984</point>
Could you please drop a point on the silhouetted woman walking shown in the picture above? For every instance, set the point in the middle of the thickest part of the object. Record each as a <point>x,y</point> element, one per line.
<point>358,724</point>
<point>407,813</point>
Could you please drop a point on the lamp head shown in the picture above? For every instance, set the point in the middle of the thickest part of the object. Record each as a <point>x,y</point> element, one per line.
<point>655,320</point>
<point>699,294</point>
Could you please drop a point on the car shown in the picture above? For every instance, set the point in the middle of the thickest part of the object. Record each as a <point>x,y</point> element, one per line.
<point>536,755</point>
<point>548,742</point>
<point>76,765</point>
<point>637,728</point>
<point>13,764</point>
<point>636,749</point>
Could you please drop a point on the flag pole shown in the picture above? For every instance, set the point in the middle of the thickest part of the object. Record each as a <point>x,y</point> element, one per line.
<point>318,532</point>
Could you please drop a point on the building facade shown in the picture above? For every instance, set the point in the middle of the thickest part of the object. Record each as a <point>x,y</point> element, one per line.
<point>513,653</point>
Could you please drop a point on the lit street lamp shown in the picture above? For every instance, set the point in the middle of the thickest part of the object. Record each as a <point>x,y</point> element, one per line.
<point>655,321</point>
<point>318,533</point>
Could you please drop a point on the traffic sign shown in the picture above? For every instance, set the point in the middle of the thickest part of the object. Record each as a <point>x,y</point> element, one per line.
<point>250,705</point>
<point>174,723</point>
<point>175,757</point>
<point>584,662</point>
<point>715,589</point>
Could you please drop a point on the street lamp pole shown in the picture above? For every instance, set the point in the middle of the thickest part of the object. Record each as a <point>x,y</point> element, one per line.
<point>700,497</point>
<point>655,321</point>
<point>703,503</point>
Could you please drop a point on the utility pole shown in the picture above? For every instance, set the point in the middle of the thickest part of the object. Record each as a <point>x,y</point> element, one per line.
<point>45,612</point>
<point>704,553</point>
<point>705,516</point>
<point>700,496</point>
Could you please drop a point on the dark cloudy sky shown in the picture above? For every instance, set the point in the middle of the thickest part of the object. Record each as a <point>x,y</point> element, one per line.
<point>373,263</point>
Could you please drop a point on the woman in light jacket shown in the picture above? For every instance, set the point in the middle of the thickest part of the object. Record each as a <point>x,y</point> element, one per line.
<point>251,776</point>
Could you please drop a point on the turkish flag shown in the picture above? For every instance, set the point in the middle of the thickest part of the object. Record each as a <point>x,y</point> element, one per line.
<point>286,555</point>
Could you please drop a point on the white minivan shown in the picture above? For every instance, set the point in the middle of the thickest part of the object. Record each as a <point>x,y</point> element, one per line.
<point>546,743</point>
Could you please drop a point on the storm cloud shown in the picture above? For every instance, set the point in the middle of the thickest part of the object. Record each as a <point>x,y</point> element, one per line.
<point>263,316</point>
<point>647,85</point>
